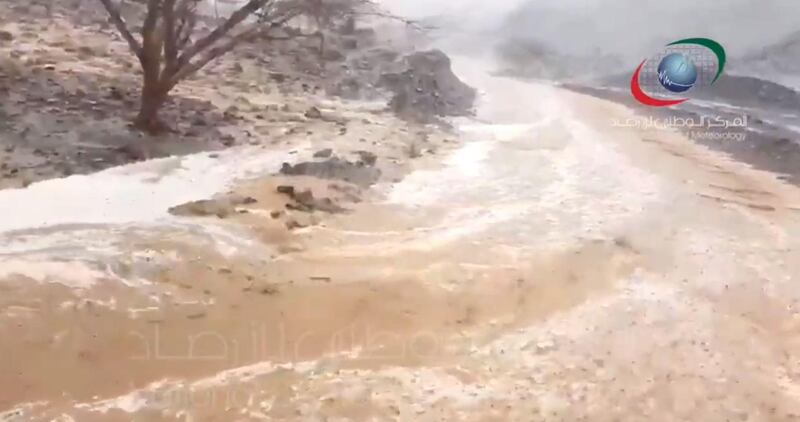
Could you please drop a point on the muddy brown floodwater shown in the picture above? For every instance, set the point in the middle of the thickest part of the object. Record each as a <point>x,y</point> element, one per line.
<point>551,267</point>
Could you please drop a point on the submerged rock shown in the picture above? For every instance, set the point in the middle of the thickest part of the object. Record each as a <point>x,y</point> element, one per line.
<point>221,208</point>
<point>306,202</point>
<point>203,208</point>
<point>367,157</point>
<point>324,153</point>
<point>313,113</point>
<point>335,169</point>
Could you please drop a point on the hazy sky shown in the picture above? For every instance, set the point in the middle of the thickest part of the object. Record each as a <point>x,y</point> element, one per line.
<point>622,27</point>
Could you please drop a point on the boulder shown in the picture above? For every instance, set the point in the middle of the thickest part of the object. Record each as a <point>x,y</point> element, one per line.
<point>428,88</point>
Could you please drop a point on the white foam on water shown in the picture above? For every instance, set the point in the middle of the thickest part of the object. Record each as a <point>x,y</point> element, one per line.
<point>130,403</point>
<point>73,274</point>
<point>534,174</point>
<point>585,196</point>
<point>139,192</point>
<point>425,187</point>
<point>497,132</point>
<point>464,167</point>
<point>69,231</point>
<point>154,395</point>
<point>16,414</point>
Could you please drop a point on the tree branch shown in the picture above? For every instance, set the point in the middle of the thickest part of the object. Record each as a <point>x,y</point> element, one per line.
<point>151,19</point>
<point>236,18</point>
<point>170,35</point>
<point>190,68</point>
<point>152,43</point>
<point>122,27</point>
<point>186,11</point>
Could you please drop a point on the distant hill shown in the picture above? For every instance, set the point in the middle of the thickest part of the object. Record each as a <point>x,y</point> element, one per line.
<point>783,56</point>
<point>532,59</point>
<point>739,90</point>
<point>779,62</point>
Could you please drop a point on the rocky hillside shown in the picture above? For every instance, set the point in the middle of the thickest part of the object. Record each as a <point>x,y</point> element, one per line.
<point>69,88</point>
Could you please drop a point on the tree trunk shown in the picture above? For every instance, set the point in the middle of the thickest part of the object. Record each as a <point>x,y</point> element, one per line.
<point>153,98</point>
<point>154,91</point>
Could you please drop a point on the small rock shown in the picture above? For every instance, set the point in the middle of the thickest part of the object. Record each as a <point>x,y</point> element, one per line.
<point>367,157</point>
<point>286,190</point>
<point>304,197</point>
<point>306,202</point>
<point>350,43</point>
<point>132,151</point>
<point>198,315</point>
<point>292,224</point>
<point>623,243</point>
<point>228,140</point>
<point>333,55</point>
<point>545,346</point>
<point>313,113</point>
<point>116,94</point>
<point>269,290</point>
<point>277,77</point>
<point>236,199</point>
<point>203,208</point>
<point>324,153</point>
<point>6,36</point>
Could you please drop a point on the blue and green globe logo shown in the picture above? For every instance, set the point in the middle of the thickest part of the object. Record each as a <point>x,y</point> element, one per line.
<point>677,73</point>
<point>682,66</point>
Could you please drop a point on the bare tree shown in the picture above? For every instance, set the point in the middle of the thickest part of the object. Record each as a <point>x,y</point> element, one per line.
<point>330,15</point>
<point>171,48</point>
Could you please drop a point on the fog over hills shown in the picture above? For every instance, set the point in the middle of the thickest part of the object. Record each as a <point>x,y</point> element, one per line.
<point>779,61</point>
<point>619,32</point>
<point>632,28</point>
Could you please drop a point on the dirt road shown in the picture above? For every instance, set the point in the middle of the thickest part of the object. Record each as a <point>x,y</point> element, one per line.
<point>551,268</point>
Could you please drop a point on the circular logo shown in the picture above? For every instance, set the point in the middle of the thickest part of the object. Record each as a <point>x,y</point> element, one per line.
<point>677,72</point>
<point>682,65</point>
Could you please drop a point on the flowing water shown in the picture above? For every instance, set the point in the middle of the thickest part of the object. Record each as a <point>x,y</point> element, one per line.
<point>551,267</point>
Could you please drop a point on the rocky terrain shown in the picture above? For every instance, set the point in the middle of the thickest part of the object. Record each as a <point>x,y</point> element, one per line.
<point>428,89</point>
<point>70,87</point>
